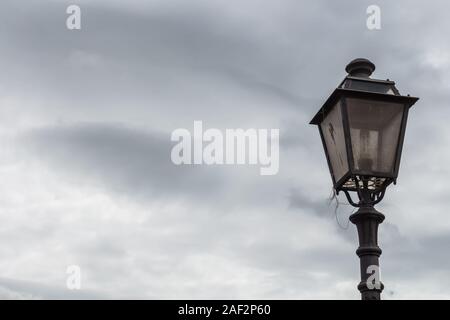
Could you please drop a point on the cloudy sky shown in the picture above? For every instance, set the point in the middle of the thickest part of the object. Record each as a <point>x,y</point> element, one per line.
<point>86,178</point>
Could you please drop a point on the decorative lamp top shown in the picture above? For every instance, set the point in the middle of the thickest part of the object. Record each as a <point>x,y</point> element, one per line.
<point>360,68</point>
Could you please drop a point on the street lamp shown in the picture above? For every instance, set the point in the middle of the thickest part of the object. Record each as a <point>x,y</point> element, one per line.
<point>362,126</point>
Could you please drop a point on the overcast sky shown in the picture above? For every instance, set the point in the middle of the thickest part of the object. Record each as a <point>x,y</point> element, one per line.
<point>86,178</point>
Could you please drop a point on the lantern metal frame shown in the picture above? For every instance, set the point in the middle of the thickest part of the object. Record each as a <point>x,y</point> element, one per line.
<point>369,185</point>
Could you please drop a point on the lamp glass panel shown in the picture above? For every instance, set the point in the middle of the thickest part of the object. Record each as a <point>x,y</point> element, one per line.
<point>333,133</point>
<point>375,134</point>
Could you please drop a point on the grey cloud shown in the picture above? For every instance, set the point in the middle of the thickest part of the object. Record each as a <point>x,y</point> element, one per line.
<point>12,289</point>
<point>128,161</point>
<point>96,106</point>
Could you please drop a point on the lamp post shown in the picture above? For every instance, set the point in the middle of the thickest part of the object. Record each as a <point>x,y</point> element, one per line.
<point>362,126</point>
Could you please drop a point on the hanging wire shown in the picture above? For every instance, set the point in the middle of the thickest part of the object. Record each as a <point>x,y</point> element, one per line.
<point>333,196</point>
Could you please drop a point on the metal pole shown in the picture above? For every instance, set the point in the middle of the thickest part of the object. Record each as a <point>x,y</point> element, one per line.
<point>367,220</point>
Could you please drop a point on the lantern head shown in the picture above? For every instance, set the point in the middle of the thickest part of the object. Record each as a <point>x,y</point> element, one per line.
<point>362,126</point>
